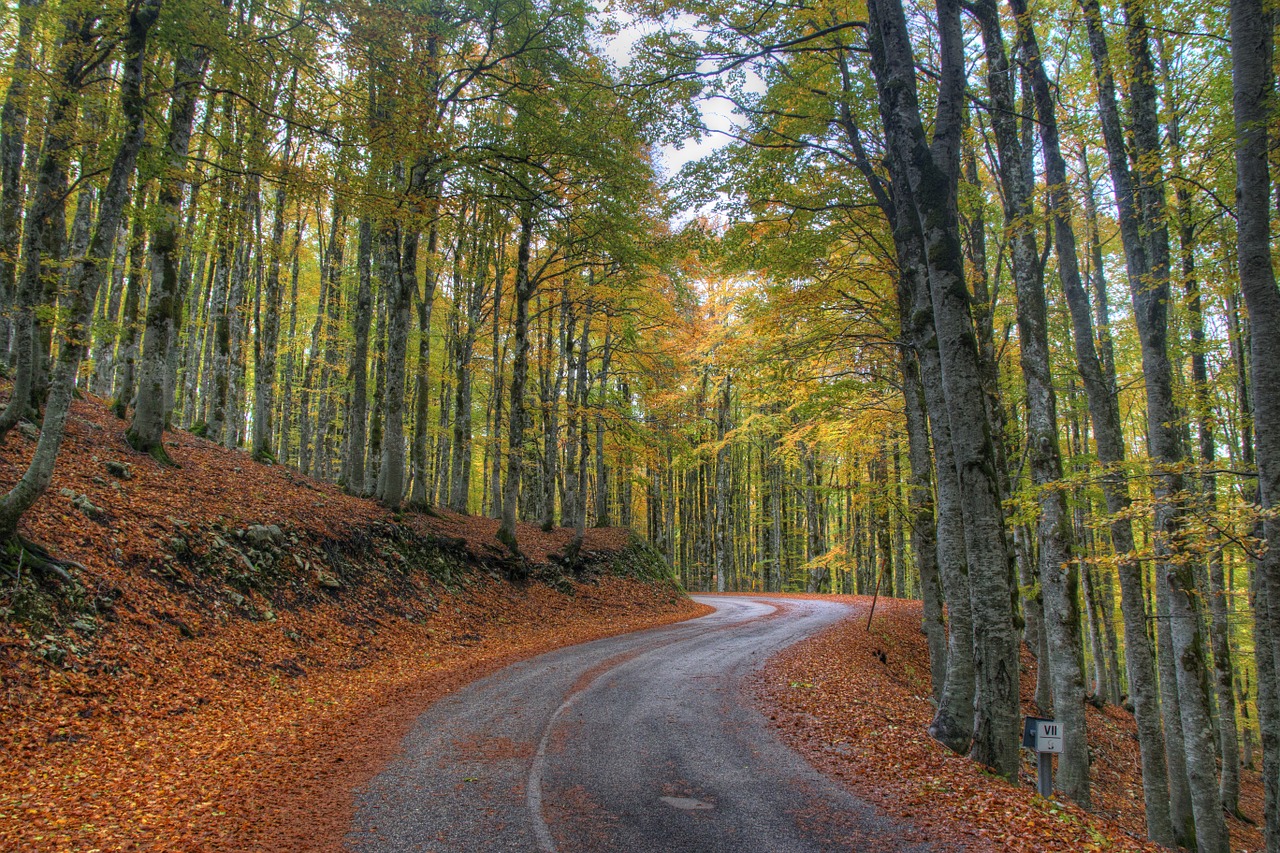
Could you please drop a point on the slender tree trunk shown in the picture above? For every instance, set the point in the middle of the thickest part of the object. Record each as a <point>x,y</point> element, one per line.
<point>524,290</point>
<point>266,342</point>
<point>44,226</point>
<point>358,373</point>
<point>602,471</point>
<point>1140,202</point>
<point>724,545</point>
<point>422,373</point>
<point>401,276</point>
<point>1105,416</point>
<point>13,136</point>
<point>86,276</point>
<point>164,308</point>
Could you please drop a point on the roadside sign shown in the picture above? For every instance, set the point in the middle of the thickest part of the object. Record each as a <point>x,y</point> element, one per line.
<point>1048,736</point>
<point>1029,731</point>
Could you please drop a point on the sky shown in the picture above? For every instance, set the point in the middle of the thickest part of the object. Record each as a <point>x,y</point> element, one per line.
<point>716,114</point>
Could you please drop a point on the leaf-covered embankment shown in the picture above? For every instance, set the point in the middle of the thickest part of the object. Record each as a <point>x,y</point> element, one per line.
<point>855,702</point>
<point>244,646</point>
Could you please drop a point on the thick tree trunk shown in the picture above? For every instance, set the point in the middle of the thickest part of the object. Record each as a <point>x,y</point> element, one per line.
<point>1252,91</point>
<point>1057,566</point>
<point>931,183</point>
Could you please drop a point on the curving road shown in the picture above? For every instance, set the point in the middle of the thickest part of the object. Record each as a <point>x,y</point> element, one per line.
<point>637,743</point>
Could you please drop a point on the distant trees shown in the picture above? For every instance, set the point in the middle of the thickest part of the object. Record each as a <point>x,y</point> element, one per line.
<point>398,180</point>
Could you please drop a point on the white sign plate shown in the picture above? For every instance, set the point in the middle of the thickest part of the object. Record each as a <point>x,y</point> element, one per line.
<point>1048,736</point>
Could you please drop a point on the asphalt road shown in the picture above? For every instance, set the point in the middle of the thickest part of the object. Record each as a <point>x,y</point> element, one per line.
<point>643,742</point>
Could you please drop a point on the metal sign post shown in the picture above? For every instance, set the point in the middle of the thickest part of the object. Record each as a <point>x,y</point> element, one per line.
<point>1045,737</point>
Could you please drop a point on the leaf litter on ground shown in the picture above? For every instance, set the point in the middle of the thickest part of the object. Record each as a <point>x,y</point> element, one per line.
<point>855,701</point>
<point>182,707</point>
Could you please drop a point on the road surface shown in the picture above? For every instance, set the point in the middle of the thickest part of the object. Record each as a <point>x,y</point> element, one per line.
<point>637,743</point>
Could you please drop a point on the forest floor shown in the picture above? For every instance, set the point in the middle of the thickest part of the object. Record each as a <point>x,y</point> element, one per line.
<point>855,701</point>
<point>245,646</point>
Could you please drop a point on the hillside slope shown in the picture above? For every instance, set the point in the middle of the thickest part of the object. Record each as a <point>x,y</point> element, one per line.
<point>243,645</point>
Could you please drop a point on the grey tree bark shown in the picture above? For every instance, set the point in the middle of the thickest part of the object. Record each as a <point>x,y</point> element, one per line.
<point>931,183</point>
<point>86,278</point>
<point>44,226</point>
<point>358,373</point>
<point>524,290</point>
<point>1144,234</point>
<point>13,136</point>
<point>266,342</point>
<point>164,308</point>
<point>1253,88</point>
<point>401,277</point>
<point>1057,566</point>
<point>724,461</point>
<point>1104,413</point>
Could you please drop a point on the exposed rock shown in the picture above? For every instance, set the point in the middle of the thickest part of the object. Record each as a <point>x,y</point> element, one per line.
<point>264,535</point>
<point>86,506</point>
<point>67,493</point>
<point>235,598</point>
<point>123,470</point>
<point>328,581</point>
<point>29,430</point>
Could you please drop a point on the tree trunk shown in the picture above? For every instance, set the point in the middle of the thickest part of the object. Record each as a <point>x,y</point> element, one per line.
<point>358,373</point>
<point>1057,567</point>
<point>1105,416</point>
<point>1140,202</point>
<point>266,342</point>
<point>87,276</point>
<point>401,277</point>
<point>44,226</point>
<point>164,308</point>
<point>931,184</point>
<point>13,136</point>
<point>524,289</point>
<point>422,372</point>
<point>724,545</point>
<point>1253,88</point>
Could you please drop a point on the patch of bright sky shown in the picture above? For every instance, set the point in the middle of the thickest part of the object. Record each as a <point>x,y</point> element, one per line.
<point>718,116</point>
